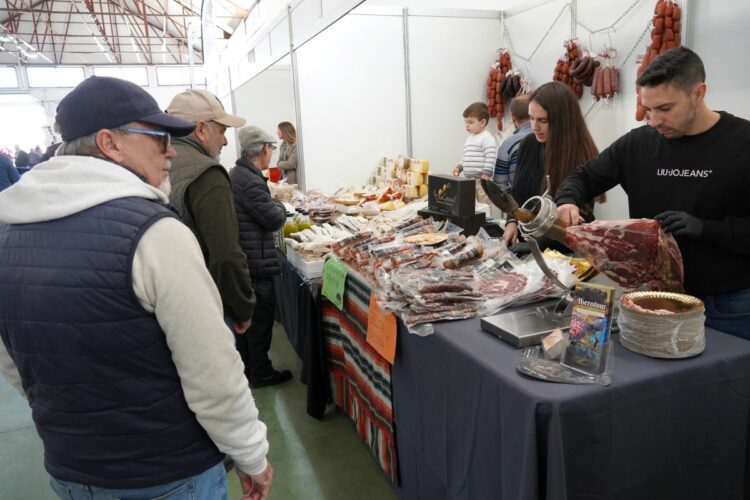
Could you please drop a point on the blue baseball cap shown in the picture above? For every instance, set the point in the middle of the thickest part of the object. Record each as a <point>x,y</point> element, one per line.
<point>101,102</point>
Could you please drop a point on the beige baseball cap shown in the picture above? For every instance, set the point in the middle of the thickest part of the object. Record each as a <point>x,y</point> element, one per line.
<point>195,104</point>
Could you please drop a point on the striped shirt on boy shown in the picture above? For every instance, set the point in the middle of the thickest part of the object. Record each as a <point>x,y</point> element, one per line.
<point>480,151</point>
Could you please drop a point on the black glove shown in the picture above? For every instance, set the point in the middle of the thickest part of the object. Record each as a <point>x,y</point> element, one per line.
<point>680,223</point>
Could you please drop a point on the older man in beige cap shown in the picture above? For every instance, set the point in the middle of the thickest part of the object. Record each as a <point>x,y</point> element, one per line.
<point>202,194</point>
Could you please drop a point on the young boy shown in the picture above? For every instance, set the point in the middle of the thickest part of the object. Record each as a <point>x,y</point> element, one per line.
<point>480,148</point>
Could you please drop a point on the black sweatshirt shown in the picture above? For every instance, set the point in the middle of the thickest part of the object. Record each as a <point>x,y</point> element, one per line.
<point>706,175</point>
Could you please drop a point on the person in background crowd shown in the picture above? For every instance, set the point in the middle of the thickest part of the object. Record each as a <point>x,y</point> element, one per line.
<point>35,156</point>
<point>480,148</point>
<point>507,153</point>
<point>688,168</point>
<point>8,173</point>
<point>288,160</point>
<point>133,380</point>
<point>202,195</point>
<point>22,160</point>
<point>50,151</point>
<point>258,216</point>
<point>560,142</point>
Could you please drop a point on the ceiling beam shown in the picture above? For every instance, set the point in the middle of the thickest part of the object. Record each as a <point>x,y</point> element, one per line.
<point>26,10</point>
<point>144,12</point>
<point>88,35</point>
<point>89,4</point>
<point>144,28</point>
<point>17,11</point>
<point>113,27</point>
<point>142,38</point>
<point>65,37</point>
<point>48,6</point>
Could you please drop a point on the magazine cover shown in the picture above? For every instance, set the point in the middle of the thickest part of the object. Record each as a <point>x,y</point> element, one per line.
<point>590,326</point>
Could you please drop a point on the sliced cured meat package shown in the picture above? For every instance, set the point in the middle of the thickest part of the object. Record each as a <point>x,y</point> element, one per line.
<point>509,284</point>
<point>437,276</point>
<point>634,253</point>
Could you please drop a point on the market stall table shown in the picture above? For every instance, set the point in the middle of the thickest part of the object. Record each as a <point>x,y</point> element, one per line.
<point>360,378</point>
<point>468,426</point>
<point>298,306</point>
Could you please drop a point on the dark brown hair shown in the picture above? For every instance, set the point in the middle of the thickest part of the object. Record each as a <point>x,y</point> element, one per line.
<point>679,67</point>
<point>288,132</point>
<point>478,110</point>
<point>519,107</point>
<point>569,142</point>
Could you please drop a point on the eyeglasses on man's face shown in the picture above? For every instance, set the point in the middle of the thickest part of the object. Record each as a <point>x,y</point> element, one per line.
<point>160,136</point>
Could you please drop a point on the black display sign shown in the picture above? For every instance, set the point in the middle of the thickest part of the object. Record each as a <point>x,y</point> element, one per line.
<point>451,195</point>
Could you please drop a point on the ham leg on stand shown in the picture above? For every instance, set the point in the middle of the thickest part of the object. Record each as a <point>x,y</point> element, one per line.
<point>634,253</point>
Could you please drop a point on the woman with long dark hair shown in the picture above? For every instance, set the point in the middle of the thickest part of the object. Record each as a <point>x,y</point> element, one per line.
<point>288,151</point>
<point>559,143</point>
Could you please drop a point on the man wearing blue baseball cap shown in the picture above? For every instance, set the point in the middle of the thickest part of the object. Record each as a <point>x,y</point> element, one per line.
<point>111,325</point>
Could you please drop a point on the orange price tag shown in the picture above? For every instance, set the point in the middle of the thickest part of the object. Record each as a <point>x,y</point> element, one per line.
<point>382,330</point>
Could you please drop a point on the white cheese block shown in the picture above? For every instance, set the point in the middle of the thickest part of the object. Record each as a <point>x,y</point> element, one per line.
<point>417,179</point>
<point>419,166</point>
<point>411,191</point>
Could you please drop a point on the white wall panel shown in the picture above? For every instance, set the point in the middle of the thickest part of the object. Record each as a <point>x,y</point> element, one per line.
<point>449,62</point>
<point>310,17</point>
<point>266,100</point>
<point>719,35</point>
<point>307,20</point>
<point>229,152</point>
<point>352,97</point>
<point>279,39</point>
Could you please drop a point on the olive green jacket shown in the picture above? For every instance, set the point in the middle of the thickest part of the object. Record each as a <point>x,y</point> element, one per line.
<point>202,194</point>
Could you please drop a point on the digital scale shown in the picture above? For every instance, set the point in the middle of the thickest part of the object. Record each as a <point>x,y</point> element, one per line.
<point>528,326</point>
<point>525,327</point>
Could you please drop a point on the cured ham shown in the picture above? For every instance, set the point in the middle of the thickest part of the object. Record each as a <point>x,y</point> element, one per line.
<point>634,253</point>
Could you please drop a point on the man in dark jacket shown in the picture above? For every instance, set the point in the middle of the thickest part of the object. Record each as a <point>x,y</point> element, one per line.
<point>50,151</point>
<point>8,173</point>
<point>22,160</point>
<point>202,195</point>
<point>258,216</point>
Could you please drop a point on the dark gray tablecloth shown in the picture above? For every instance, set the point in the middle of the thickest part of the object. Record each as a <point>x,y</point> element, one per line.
<point>468,426</point>
<point>298,307</point>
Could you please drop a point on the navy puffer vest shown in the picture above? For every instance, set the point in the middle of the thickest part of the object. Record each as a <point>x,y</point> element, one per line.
<point>105,395</point>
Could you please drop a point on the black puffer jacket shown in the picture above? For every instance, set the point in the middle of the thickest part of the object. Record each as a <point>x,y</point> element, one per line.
<point>258,216</point>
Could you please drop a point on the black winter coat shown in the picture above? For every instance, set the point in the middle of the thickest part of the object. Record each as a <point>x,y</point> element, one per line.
<point>258,216</point>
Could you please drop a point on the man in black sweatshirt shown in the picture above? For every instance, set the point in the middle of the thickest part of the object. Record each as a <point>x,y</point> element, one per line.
<point>689,169</point>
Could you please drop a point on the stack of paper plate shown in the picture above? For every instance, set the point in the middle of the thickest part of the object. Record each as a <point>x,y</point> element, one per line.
<point>662,324</point>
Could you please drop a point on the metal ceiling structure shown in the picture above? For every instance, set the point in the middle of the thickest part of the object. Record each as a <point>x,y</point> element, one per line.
<point>116,32</point>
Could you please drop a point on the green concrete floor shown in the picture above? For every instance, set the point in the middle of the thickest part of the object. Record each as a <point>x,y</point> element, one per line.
<point>313,460</point>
